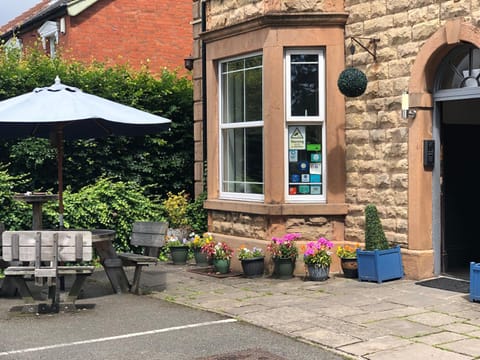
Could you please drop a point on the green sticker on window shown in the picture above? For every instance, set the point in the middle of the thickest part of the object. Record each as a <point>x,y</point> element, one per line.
<point>314,147</point>
<point>304,189</point>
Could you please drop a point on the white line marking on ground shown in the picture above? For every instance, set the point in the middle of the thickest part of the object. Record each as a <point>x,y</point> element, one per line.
<point>118,337</point>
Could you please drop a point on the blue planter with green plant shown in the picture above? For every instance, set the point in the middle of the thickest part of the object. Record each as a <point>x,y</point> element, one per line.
<point>378,262</point>
<point>474,281</point>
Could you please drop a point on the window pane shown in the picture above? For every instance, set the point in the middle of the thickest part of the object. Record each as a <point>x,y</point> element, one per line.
<point>304,89</point>
<point>461,68</point>
<point>253,95</point>
<point>305,160</point>
<point>233,99</point>
<point>243,160</point>
<point>254,160</point>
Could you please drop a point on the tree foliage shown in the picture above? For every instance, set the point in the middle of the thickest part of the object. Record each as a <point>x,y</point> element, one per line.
<point>161,163</point>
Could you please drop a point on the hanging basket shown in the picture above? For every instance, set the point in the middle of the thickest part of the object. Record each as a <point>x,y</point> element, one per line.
<point>352,82</point>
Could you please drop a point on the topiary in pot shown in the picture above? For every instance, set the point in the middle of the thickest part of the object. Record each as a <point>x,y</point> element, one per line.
<point>374,235</point>
<point>378,262</point>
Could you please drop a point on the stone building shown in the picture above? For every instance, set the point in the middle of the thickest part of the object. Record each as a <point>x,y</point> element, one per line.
<point>287,152</point>
<point>156,34</point>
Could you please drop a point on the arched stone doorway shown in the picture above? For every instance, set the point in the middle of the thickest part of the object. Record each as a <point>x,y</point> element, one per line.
<point>456,124</point>
<point>428,226</point>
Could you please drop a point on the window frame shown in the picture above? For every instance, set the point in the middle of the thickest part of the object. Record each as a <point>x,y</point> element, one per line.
<point>306,121</point>
<point>321,84</point>
<point>227,195</point>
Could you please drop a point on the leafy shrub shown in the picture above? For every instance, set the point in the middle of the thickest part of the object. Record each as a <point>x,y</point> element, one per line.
<point>15,215</point>
<point>107,204</point>
<point>197,214</point>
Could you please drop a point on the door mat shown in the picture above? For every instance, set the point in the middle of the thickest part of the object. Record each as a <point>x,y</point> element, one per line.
<point>446,283</point>
<point>210,272</point>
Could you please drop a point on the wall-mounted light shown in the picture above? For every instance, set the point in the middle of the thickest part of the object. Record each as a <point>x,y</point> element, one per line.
<point>188,62</point>
<point>62,25</point>
<point>406,111</point>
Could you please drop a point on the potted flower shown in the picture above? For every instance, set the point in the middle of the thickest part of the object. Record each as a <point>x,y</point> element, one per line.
<point>176,208</point>
<point>196,244</point>
<point>252,261</point>
<point>318,257</point>
<point>178,249</point>
<point>348,259</point>
<point>378,262</point>
<point>284,253</point>
<point>221,254</point>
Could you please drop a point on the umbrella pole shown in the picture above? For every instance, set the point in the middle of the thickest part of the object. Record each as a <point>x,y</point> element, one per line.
<point>60,174</point>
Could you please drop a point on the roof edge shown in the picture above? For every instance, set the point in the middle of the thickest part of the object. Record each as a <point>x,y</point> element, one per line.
<point>35,20</point>
<point>77,6</point>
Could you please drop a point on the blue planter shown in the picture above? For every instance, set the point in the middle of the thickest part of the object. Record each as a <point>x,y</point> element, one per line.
<point>380,265</point>
<point>474,281</point>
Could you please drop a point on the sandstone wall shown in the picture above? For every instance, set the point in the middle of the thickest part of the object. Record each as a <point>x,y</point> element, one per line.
<point>263,227</point>
<point>377,136</point>
<point>227,12</point>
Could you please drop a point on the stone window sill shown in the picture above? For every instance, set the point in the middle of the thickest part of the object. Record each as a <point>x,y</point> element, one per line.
<point>276,209</point>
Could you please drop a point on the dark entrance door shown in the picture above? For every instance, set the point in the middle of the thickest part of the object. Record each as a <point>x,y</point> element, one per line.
<point>460,135</point>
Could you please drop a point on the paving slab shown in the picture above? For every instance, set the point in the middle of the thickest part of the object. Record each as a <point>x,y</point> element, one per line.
<point>325,337</point>
<point>375,345</point>
<point>462,328</point>
<point>466,346</point>
<point>440,338</point>
<point>404,328</point>
<point>416,351</point>
<point>434,318</point>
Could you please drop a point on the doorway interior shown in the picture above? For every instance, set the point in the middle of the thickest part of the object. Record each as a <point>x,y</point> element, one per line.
<point>460,186</point>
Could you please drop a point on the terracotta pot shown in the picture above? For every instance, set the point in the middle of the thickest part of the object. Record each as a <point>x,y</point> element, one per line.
<point>350,268</point>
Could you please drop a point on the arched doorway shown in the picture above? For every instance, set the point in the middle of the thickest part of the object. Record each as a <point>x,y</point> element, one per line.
<point>456,127</point>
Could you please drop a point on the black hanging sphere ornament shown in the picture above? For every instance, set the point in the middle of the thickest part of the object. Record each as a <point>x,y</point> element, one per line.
<point>352,82</point>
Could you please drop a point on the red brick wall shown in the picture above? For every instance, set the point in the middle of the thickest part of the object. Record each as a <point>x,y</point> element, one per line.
<point>142,32</point>
<point>138,32</point>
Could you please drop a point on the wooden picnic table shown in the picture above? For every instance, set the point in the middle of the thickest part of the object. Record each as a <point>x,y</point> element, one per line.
<point>47,256</point>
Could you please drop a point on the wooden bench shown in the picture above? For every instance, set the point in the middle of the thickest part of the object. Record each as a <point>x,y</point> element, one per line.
<point>151,237</point>
<point>46,250</point>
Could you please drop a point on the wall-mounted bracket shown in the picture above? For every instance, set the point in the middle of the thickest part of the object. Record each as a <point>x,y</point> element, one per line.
<point>372,42</point>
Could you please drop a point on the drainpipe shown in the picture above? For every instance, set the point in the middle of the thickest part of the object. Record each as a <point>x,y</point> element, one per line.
<point>204,88</point>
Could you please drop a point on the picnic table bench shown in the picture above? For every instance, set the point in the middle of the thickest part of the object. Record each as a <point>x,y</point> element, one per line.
<point>150,237</point>
<point>53,254</point>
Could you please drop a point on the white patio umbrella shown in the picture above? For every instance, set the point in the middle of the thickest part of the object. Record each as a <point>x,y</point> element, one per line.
<point>64,112</point>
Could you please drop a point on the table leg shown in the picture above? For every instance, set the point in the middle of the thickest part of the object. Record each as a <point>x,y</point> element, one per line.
<point>113,266</point>
<point>37,216</point>
<point>22,287</point>
<point>8,288</point>
<point>116,275</point>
